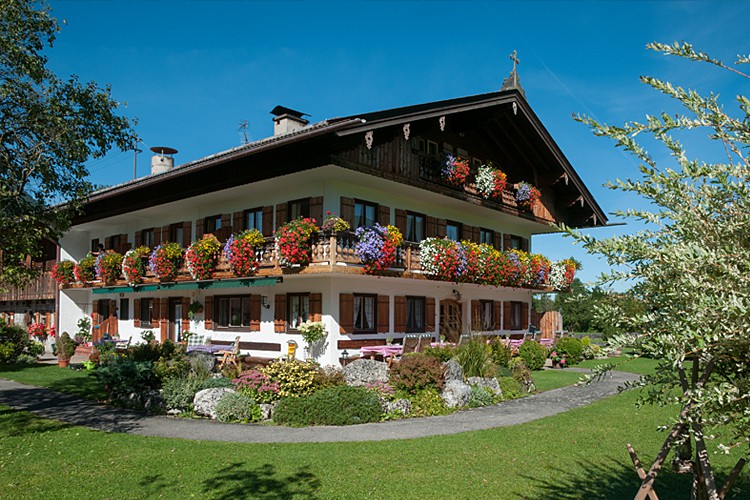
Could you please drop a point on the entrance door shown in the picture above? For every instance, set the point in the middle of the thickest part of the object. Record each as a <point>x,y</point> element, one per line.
<point>175,319</point>
<point>450,320</point>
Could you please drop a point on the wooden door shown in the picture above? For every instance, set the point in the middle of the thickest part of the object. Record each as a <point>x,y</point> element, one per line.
<point>450,320</point>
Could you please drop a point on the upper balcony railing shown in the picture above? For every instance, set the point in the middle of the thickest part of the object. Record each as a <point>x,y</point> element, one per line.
<point>42,288</point>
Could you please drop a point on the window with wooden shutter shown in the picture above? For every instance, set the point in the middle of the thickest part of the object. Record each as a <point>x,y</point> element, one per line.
<point>114,324</point>
<point>384,319</point>
<point>279,313</point>
<point>255,310</point>
<point>498,315</point>
<point>384,215</point>
<point>200,227</point>
<point>316,307</point>
<point>365,313</point>
<point>165,234</point>
<point>400,221</point>
<point>347,210</point>
<point>137,239</point>
<point>237,225</point>
<point>316,209</point>
<point>281,215</point>
<point>186,236</point>
<point>442,227</point>
<point>506,316</point>
<point>429,315</point>
<point>476,315</point>
<point>525,244</point>
<point>208,313</point>
<point>267,221</point>
<point>430,227</point>
<point>185,319</point>
<point>399,314</point>
<point>346,313</point>
<point>164,318</point>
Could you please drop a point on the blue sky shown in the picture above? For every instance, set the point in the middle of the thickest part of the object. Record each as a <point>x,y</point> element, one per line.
<point>192,71</point>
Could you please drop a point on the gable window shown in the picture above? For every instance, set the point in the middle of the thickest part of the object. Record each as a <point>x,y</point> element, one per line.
<point>515,315</point>
<point>414,227</point>
<point>486,236</point>
<point>487,315</point>
<point>232,311</point>
<point>298,309</point>
<point>146,311</point>
<point>415,314</point>
<point>253,219</point>
<point>176,233</point>
<point>147,237</point>
<point>211,224</point>
<point>453,230</point>
<point>364,313</point>
<point>365,214</point>
<point>298,208</point>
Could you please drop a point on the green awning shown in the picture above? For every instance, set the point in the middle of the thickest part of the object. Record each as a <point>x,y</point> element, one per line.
<point>191,285</point>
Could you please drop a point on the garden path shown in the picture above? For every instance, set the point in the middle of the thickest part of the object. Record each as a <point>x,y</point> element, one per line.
<point>77,411</point>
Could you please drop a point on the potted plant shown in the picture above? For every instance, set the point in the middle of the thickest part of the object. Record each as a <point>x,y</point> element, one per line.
<point>85,271</point>
<point>38,331</point>
<point>312,333</point>
<point>377,246</point>
<point>133,267</point>
<point>202,257</point>
<point>558,359</point>
<point>455,170</point>
<point>109,266</point>
<point>63,272</point>
<point>194,308</point>
<point>65,348</point>
<point>294,241</point>
<point>166,260</point>
<point>241,252</point>
<point>527,196</point>
<point>333,224</point>
<point>491,182</point>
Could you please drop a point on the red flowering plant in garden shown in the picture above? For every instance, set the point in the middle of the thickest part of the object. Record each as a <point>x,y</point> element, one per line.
<point>202,257</point>
<point>133,267</point>
<point>242,253</point>
<point>294,241</point>
<point>84,271</point>
<point>64,272</point>
<point>166,260</point>
<point>38,330</point>
<point>455,170</point>
<point>491,182</point>
<point>377,246</point>
<point>109,266</point>
<point>527,195</point>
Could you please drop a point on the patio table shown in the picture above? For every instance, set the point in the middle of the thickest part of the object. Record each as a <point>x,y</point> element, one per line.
<point>208,348</point>
<point>546,342</point>
<point>382,350</point>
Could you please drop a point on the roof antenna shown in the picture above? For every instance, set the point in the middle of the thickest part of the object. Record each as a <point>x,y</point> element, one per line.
<point>243,129</point>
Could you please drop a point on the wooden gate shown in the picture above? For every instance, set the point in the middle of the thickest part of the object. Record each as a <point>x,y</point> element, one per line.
<point>548,322</point>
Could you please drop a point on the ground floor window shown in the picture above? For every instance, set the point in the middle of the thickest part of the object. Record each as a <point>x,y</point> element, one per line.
<point>516,320</point>
<point>364,313</point>
<point>232,311</point>
<point>487,315</point>
<point>298,309</point>
<point>146,312</point>
<point>415,314</point>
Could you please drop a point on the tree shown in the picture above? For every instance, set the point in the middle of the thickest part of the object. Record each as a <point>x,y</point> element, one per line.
<point>691,266</point>
<point>48,128</point>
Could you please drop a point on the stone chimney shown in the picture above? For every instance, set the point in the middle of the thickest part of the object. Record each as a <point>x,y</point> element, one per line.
<point>287,120</point>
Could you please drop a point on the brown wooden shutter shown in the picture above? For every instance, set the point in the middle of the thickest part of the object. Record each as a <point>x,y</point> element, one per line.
<point>281,209</point>
<point>441,232</point>
<point>279,313</point>
<point>114,324</point>
<point>155,313</point>
<point>476,315</point>
<point>255,313</point>
<point>108,243</point>
<point>346,313</point>
<point>186,236</point>
<point>316,307</point>
<point>506,241</point>
<point>429,312</point>
<point>525,244</point>
<point>165,234</point>
<point>399,313</point>
<point>497,240</point>
<point>137,313</point>
<point>498,315</point>
<point>525,316</point>
<point>237,221</point>
<point>199,227</point>
<point>469,233</point>
<point>164,318</point>
<point>506,315</point>
<point>95,321</point>
<point>185,320</point>
<point>347,210</point>
<point>431,227</point>
<point>208,313</point>
<point>267,221</point>
<point>138,238</point>
<point>124,244</point>
<point>316,209</point>
<point>384,215</point>
<point>384,325</point>
<point>400,221</point>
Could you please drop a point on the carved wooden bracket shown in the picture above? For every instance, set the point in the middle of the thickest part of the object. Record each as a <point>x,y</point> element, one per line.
<point>441,121</point>
<point>515,108</point>
<point>369,135</point>
<point>407,131</point>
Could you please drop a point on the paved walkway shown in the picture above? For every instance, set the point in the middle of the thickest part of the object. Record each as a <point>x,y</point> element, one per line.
<point>74,410</point>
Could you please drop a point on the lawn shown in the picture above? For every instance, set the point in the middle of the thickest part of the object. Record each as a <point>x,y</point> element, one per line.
<point>577,454</point>
<point>76,382</point>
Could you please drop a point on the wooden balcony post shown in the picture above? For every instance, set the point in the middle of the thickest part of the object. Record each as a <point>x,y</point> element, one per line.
<point>334,253</point>
<point>408,259</point>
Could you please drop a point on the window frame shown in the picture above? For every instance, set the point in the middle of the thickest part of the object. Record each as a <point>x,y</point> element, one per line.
<point>290,298</point>
<point>175,230</point>
<point>515,242</point>
<point>414,216</point>
<point>483,232</point>
<point>245,300</point>
<point>516,313</point>
<point>483,306</point>
<point>363,297</point>
<point>147,304</point>
<point>304,211</point>
<point>365,205</point>
<point>124,309</point>
<point>211,224</point>
<point>457,226</point>
<point>147,237</point>
<point>413,328</point>
<point>257,214</point>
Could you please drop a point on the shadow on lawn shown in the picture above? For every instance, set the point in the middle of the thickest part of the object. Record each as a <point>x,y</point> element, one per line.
<point>615,481</point>
<point>16,423</point>
<point>235,481</point>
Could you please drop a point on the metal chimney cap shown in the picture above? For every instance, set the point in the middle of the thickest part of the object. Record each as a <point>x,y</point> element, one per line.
<point>163,150</point>
<point>281,110</point>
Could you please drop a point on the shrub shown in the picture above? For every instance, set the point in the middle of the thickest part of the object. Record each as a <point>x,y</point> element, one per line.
<point>237,407</point>
<point>66,346</point>
<point>511,388</point>
<point>295,378</point>
<point>501,352</point>
<point>257,385</point>
<point>25,359</point>
<point>591,351</point>
<point>342,405</point>
<point>533,354</point>
<point>476,359</point>
<point>179,392</point>
<point>442,353</point>
<point>521,373</point>
<point>328,376</point>
<point>428,402</point>
<point>481,396</point>
<point>123,376</point>
<point>572,347</point>
<point>13,341</point>
<point>382,390</point>
<point>416,372</point>
<point>34,348</point>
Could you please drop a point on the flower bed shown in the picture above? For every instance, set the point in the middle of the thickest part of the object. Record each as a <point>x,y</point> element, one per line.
<point>241,252</point>
<point>294,241</point>
<point>202,256</point>
<point>166,260</point>
<point>377,246</point>
<point>491,182</point>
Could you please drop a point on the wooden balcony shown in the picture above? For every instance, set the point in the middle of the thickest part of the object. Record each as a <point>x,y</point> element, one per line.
<point>43,288</point>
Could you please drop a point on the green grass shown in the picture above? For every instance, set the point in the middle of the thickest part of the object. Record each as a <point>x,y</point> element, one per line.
<point>78,383</point>
<point>577,454</point>
<point>641,366</point>
<point>547,380</point>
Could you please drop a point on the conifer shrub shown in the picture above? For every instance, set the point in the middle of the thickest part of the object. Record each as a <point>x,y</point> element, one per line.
<point>340,405</point>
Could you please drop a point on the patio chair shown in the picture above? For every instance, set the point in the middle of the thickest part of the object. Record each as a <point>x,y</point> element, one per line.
<point>229,357</point>
<point>122,345</point>
<point>411,343</point>
<point>465,338</point>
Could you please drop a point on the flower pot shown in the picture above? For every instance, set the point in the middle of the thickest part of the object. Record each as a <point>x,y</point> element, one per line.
<point>63,363</point>
<point>555,363</point>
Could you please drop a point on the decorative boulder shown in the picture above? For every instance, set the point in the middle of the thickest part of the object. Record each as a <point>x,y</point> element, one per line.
<point>490,383</point>
<point>266,410</point>
<point>456,394</point>
<point>365,371</point>
<point>199,359</point>
<point>402,406</point>
<point>205,401</point>
<point>453,370</point>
